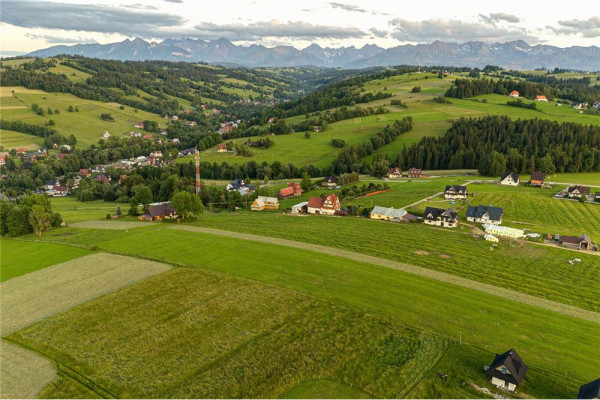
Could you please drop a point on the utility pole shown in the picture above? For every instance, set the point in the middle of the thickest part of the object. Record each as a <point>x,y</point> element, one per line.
<point>197,156</point>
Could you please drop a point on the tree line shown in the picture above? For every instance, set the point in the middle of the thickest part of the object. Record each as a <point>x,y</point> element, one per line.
<point>464,88</point>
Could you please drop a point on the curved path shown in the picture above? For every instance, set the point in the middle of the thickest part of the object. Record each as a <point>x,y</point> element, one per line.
<point>509,294</point>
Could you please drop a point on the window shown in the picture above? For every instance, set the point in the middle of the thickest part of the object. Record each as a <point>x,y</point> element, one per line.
<point>504,370</point>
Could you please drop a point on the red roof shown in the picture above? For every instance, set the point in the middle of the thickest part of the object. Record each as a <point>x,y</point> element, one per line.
<point>21,150</point>
<point>514,92</point>
<point>315,202</point>
<point>540,97</point>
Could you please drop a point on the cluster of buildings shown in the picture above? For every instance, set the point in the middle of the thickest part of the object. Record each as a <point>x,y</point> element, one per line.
<point>413,173</point>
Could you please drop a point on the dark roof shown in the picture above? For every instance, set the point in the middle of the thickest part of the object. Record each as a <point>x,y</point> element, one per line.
<point>538,176</point>
<point>513,363</point>
<point>395,170</point>
<point>581,189</point>
<point>494,213</point>
<point>590,390</point>
<point>439,212</point>
<point>515,177</point>
<point>456,189</point>
<point>331,179</point>
<point>161,209</point>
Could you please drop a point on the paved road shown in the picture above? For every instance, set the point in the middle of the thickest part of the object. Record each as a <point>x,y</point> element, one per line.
<point>560,308</point>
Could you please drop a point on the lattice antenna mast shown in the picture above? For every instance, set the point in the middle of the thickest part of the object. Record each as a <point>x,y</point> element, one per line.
<point>197,156</point>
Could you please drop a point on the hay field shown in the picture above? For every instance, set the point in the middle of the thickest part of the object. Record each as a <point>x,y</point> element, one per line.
<point>24,373</point>
<point>30,298</point>
<point>109,224</point>
<point>191,333</point>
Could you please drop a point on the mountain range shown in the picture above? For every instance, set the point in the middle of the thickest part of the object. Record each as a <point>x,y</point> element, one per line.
<point>514,55</point>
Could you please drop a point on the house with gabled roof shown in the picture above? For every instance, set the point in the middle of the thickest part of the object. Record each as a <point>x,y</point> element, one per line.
<point>537,179</point>
<point>507,370</point>
<point>454,192</point>
<point>241,187</point>
<point>292,190</point>
<point>590,390</point>
<point>540,97</point>
<point>415,173</point>
<point>440,217</point>
<point>577,191</point>
<point>222,148</point>
<point>509,179</point>
<point>159,212</point>
<point>390,214</point>
<point>581,242</point>
<point>265,203</point>
<point>395,173</point>
<point>330,182</point>
<point>485,214</point>
<point>326,204</point>
<point>514,93</point>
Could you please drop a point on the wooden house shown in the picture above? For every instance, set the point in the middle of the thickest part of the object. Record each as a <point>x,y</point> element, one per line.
<point>395,173</point>
<point>507,370</point>
<point>158,213</point>
<point>292,190</point>
<point>485,214</point>
<point>265,203</point>
<point>415,173</point>
<point>330,182</point>
<point>590,390</point>
<point>454,192</point>
<point>440,217</point>
<point>582,242</point>
<point>537,179</point>
<point>509,179</point>
<point>577,191</point>
<point>327,204</point>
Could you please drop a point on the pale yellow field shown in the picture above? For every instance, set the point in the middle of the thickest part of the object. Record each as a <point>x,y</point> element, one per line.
<point>32,297</point>
<point>24,373</point>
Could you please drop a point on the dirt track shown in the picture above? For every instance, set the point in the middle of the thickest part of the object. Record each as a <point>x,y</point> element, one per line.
<point>560,308</point>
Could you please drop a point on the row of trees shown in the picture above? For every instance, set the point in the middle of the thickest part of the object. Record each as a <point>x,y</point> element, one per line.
<point>464,88</point>
<point>32,214</point>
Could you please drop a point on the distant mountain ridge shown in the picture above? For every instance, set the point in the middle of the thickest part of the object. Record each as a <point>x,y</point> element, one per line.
<point>515,55</point>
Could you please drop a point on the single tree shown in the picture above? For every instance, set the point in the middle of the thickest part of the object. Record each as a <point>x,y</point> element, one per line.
<point>39,219</point>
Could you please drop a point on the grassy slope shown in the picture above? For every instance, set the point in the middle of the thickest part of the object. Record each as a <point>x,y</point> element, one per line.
<point>19,258</point>
<point>546,340</point>
<point>228,337</point>
<point>14,140</point>
<point>86,124</point>
<point>73,210</point>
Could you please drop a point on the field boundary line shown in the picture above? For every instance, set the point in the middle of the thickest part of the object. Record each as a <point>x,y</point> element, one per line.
<point>561,308</point>
<point>65,369</point>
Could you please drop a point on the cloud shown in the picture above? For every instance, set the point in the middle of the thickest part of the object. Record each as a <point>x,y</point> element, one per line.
<point>259,30</point>
<point>61,40</point>
<point>174,1</point>
<point>378,33</point>
<point>456,31</point>
<point>588,28</point>
<point>89,18</point>
<point>347,7</point>
<point>497,17</point>
<point>139,6</point>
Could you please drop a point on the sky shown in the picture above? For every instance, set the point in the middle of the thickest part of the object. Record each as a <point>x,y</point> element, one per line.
<point>28,25</point>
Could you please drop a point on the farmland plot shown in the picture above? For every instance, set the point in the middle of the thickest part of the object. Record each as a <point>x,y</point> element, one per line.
<point>16,367</point>
<point>30,298</point>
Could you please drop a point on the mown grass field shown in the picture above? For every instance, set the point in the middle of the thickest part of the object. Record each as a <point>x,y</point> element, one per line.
<point>14,140</point>
<point>19,258</point>
<point>86,124</point>
<point>193,334</point>
<point>546,340</point>
<point>74,211</point>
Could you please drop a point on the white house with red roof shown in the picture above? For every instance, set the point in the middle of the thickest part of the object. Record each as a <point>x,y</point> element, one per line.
<point>514,94</point>
<point>327,204</point>
<point>540,97</point>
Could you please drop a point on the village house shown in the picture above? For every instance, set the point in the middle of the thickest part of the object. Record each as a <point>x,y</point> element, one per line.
<point>327,204</point>
<point>582,242</point>
<point>265,203</point>
<point>317,128</point>
<point>102,178</point>
<point>135,134</point>
<point>57,191</point>
<point>272,119</point>
<point>2,159</point>
<point>139,125</point>
<point>590,390</point>
<point>514,94</point>
<point>21,150</point>
<point>509,179</point>
<point>241,187</point>
<point>85,173</point>
<point>395,173</point>
<point>540,98</point>
<point>577,191</point>
<point>440,217</point>
<point>537,179</point>
<point>61,156</point>
<point>222,148</point>
<point>507,371</point>
<point>292,190</point>
<point>105,135</point>
<point>175,118</point>
<point>330,182</point>
<point>158,213</point>
<point>390,214</point>
<point>597,196</point>
<point>300,208</point>
<point>485,214</point>
<point>415,173</point>
<point>187,152</point>
<point>455,192</point>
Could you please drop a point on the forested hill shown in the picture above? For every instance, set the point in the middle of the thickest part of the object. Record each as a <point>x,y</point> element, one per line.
<point>496,144</point>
